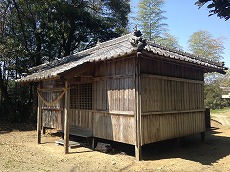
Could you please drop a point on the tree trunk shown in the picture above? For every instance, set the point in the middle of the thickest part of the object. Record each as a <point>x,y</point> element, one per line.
<point>67,47</point>
<point>6,98</point>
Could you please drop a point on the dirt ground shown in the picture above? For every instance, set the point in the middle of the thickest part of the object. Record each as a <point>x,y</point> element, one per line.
<point>20,152</point>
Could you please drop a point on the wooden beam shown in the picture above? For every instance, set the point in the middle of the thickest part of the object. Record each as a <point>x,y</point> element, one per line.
<point>201,65</point>
<point>78,70</point>
<point>138,153</point>
<point>66,122</point>
<point>39,120</point>
<point>172,112</point>
<point>168,78</point>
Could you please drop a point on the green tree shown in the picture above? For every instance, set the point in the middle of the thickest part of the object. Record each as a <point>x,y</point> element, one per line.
<point>150,18</point>
<point>220,8</point>
<point>225,79</point>
<point>169,40</point>
<point>203,44</point>
<point>32,32</point>
<point>213,94</point>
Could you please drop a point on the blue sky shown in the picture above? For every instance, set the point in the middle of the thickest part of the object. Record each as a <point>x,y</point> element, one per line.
<point>184,18</point>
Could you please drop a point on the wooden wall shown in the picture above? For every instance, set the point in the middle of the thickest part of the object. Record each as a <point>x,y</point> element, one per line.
<point>115,94</point>
<point>52,115</point>
<point>116,127</point>
<point>170,94</point>
<point>159,127</point>
<point>156,66</point>
<point>113,87</point>
<point>52,118</point>
<point>112,114</point>
<point>114,100</point>
<point>81,118</point>
<point>172,100</point>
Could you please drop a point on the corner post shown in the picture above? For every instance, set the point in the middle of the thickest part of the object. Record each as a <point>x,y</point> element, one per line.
<point>66,122</point>
<point>138,153</point>
<point>39,120</point>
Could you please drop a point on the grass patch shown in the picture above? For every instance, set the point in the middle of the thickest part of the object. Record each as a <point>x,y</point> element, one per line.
<point>224,111</point>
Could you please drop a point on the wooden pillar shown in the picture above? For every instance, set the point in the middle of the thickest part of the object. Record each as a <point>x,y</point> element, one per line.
<point>94,143</point>
<point>66,122</point>
<point>39,120</point>
<point>43,130</point>
<point>207,118</point>
<point>138,153</point>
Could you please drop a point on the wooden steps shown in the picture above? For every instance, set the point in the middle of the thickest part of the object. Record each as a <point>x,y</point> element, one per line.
<point>76,131</point>
<point>71,143</point>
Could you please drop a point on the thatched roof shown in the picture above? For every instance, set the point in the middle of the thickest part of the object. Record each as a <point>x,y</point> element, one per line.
<point>112,49</point>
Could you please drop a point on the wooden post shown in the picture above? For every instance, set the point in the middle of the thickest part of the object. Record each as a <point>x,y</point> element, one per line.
<point>43,130</point>
<point>66,125</point>
<point>94,142</point>
<point>39,120</point>
<point>138,154</point>
<point>207,118</point>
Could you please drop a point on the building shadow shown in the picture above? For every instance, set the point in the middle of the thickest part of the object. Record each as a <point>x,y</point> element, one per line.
<point>9,127</point>
<point>190,148</point>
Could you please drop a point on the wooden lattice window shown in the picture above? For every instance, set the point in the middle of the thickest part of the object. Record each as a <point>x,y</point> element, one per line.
<point>81,96</point>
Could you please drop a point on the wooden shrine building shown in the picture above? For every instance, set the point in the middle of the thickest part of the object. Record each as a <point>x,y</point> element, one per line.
<point>127,90</point>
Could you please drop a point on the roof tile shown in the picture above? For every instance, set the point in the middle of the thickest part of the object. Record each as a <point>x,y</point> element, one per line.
<point>109,50</point>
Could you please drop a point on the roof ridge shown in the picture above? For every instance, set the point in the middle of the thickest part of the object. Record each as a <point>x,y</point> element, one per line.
<point>184,53</point>
<point>105,44</point>
<point>75,55</point>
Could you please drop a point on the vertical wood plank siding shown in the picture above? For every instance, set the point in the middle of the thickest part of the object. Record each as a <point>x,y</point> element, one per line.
<point>114,94</point>
<point>114,127</point>
<point>81,118</point>
<point>53,115</point>
<point>164,94</point>
<point>53,118</point>
<point>114,86</point>
<point>167,126</point>
<point>114,90</point>
<point>164,68</point>
<point>172,101</point>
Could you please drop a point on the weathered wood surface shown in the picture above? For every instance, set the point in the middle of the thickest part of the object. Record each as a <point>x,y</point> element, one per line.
<point>171,102</point>
<point>114,127</point>
<point>167,126</point>
<point>81,118</point>
<point>66,120</point>
<point>53,118</point>
<point>156,66</point>
<point>82,132</point>
<point>114,94</point>
<point>138,132</point>
<point>114,87</point>
<point>39,120</point>
<point>71,143</point>
<point>52,115</point>
<point>168,94</point>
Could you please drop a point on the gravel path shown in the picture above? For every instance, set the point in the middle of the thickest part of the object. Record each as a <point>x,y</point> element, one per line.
<point>223,119</point>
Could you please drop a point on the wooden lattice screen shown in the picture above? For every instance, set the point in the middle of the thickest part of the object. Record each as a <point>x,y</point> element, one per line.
<point>81,96</point>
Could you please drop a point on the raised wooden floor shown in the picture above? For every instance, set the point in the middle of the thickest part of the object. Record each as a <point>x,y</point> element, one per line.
<point>82,132</point>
